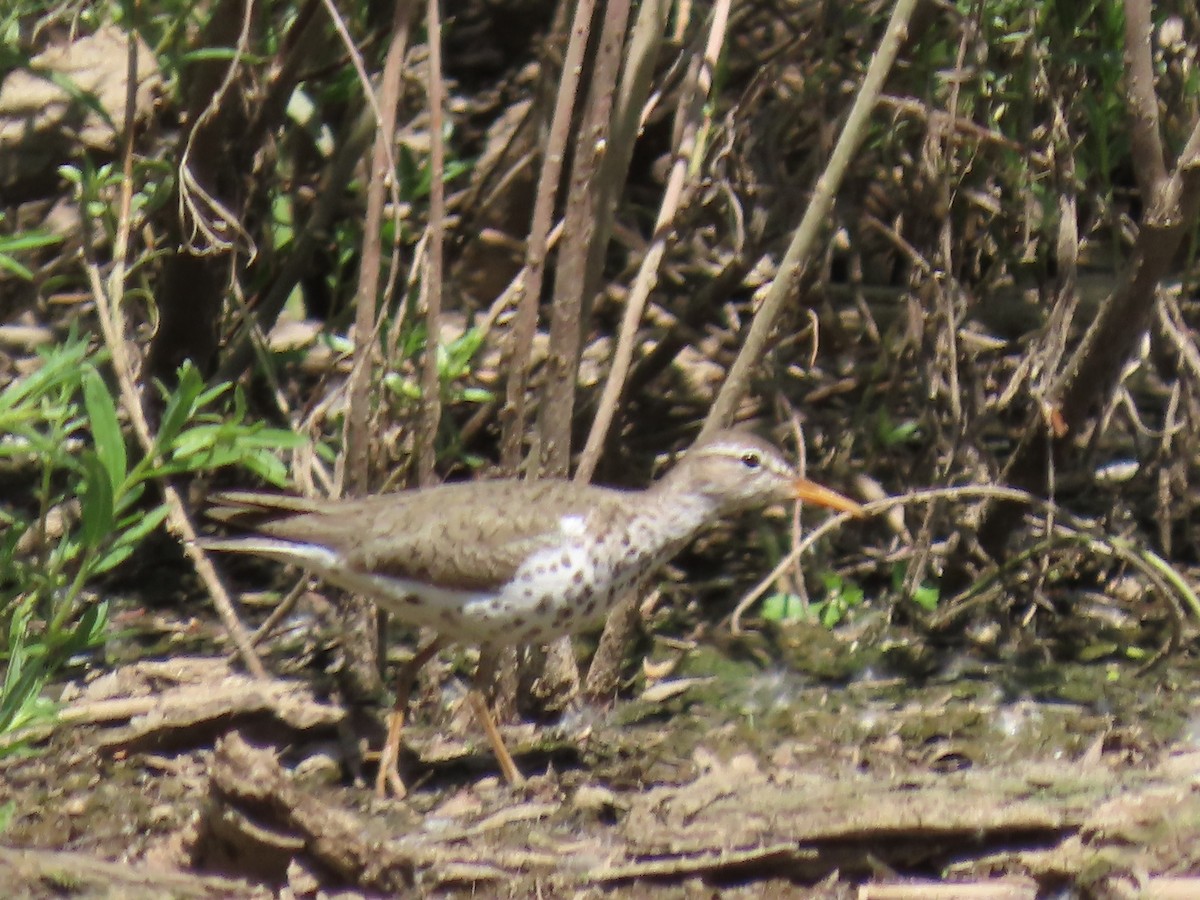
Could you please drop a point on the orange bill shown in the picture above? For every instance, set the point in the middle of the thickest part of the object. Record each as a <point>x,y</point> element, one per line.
<point>811,492</point>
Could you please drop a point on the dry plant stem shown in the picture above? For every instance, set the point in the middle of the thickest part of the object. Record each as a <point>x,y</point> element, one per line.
<point>192,281</point>
<point>603,673</point>
<point>302,43</point>
<point>629,102</point>
<point>431,401</point>
<point>984,890</point>
<point>512,294</point>
<point>530,279</point>
<point>1171,205</point>
<point>973,131</point>
<point>1145,560</point>
<point>571,292</point>
<point>350,148</point>
<point>217,152</point>
<point>358,439</point>
<point>796,577</point>
<point>815,219</point>
<point>359,617</point>
<point>280,612</point>
<point>112,325</point>
<point>194,198</point>
<point>399,14</point>
<point>622,114</point>
<point>1093,370</point>
<point>1149,164</point>
<point>572,289</point>
<point>647,276</point>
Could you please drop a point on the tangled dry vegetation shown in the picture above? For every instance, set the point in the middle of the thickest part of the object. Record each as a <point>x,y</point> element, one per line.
<point>949,249</point>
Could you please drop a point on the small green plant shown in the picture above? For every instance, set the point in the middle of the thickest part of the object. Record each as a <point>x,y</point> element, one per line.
<point>840,598</point>
<point>893,434</point>
<point>926,595</point>
<point>414,174</point>
<point>12,245</point>
<point>88,510</point>
<point>454,360</point>
<point>96,187</point>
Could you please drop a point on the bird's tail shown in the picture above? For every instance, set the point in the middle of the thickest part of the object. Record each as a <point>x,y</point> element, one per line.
<point>293,553</point>
<point>245,508</point>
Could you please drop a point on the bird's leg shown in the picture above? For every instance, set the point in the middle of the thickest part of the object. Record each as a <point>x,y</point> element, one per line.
<point>387,779</point>
<point>478,701</point>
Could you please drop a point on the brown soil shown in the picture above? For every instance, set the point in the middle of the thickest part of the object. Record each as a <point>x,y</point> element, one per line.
<point>184,778</point>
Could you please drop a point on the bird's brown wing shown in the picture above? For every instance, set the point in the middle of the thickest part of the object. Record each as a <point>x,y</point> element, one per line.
<point>470,536</point>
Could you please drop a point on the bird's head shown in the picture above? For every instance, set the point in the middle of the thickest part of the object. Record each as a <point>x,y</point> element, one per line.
<point>738,471</point>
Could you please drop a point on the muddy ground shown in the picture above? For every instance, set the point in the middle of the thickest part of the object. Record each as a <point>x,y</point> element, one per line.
<point>784,763</point>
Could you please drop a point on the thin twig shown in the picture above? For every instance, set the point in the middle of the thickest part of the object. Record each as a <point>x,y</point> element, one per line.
<point>112,325</point>
<point>530,278</point>
<point>1144,559</point>
<point>1145,143</point>
<point>815,219</point>
<point>572,289</point>
<point>358,439</point>
<point>226,221</point>
<point>431,400</point>
<point>647,276</point>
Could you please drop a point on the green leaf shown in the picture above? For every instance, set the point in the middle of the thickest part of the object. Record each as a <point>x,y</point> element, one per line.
<point>927,596</point>
<point>88,632</point>
<point>106,429</point>
<point>268,467</point>
<point>18,629</point>
<point>96,502</point>
<point>59,364</point>
<point>11,265</point>
<point>212,394</point>
<point>180,405</point>
<point>130,496</point>
<point>196,440</point>
<point>477,395</point>
<point>27,240</point>
<point>831,614</point>
<point>461,352</point>
<point>852,594</point>
<point>29,707</point>
<point>71,175</point>
<point>401,386</point>
<point>278,439</point>
<point>133,532</point>
<point>220,54</point>
<point>210,456</point>
<point>196,445</point>
<point>115,555</point>
<point>782,607</point>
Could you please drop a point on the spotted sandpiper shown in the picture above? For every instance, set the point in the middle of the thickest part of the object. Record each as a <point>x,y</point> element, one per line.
<point>507,561</point>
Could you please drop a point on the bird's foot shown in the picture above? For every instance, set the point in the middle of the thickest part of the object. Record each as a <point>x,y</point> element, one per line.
<point>507,767</point>
<point>388,782</point>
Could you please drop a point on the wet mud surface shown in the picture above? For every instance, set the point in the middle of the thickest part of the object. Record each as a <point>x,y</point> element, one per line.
<point>751,769</point>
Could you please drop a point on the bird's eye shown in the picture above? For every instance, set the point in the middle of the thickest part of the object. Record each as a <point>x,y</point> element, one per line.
<point>751,460</point>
